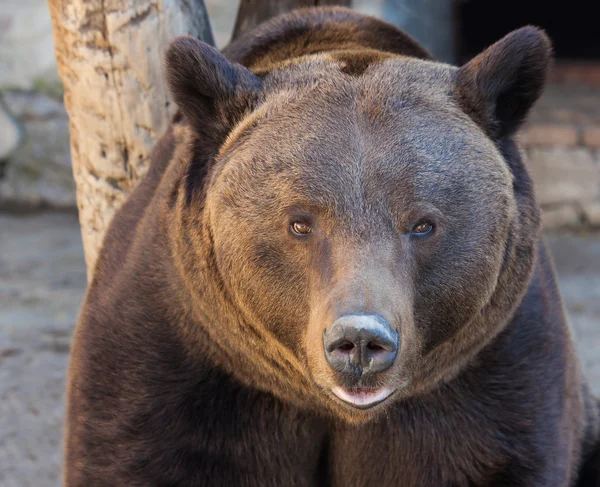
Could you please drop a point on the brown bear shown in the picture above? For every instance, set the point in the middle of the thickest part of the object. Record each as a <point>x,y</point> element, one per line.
<point>332,274</point>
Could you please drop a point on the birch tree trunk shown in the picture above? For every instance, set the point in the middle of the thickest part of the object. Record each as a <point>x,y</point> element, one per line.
<point>109,55</point>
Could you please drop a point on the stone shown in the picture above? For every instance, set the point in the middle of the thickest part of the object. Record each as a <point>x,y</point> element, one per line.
<point>33,106</point>
<point>38,173</point>
<point>565,115</point>
<point>567,103</point>
<point>26,45</point>
<point>591,136</point>
<point>563,175</point>
<point>591,214</point>
<point>576,72</point>
<point>563,217</point>
<point>547,134</point>
<point>9,134</point>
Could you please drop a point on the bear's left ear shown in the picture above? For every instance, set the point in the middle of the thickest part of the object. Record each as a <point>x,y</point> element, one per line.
<point>211,92</point>
<point>499,86</point>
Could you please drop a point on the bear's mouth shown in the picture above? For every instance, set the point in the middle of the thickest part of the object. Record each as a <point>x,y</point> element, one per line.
<point>362,398</point>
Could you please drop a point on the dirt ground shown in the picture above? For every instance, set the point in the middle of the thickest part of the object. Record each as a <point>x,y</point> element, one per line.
<point>42,282</point>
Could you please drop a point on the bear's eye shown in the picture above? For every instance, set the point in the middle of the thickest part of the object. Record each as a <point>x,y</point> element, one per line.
<point>300,228</point>
<point>422,228</point>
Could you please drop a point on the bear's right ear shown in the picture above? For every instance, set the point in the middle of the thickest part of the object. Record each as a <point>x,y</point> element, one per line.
<point>499,86</point>
<point>211,92</point>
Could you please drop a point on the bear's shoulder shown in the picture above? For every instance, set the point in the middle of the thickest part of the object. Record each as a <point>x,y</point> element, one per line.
<point>312,31</point>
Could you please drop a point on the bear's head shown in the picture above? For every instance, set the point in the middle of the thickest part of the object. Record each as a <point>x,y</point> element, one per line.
<point>354,226</point>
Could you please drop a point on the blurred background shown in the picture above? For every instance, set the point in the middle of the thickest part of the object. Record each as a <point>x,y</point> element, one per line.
<point>42,269</point>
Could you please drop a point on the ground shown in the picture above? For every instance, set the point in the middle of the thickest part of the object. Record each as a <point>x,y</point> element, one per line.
<point>42,282</point>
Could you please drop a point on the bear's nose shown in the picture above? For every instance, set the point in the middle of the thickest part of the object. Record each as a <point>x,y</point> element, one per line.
<point>357,344</point>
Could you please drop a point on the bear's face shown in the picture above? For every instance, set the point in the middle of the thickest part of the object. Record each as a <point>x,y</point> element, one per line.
<point>362,197</point>
<point>366,223</point>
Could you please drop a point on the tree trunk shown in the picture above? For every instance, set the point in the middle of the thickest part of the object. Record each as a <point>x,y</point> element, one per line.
<point>253,12</point>
<point>431,22</point>
<point>109,55</point>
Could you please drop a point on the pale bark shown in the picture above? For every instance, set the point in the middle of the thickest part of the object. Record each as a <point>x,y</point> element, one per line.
<point>109,56</point>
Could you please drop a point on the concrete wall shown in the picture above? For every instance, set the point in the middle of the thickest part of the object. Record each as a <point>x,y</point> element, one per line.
<point>562,138</point>
<point>35,165</point>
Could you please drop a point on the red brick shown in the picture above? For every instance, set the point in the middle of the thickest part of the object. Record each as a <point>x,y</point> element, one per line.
<point>585,72</point>
<point>564,175</point>
<point>546,134</point>
<point>567,116</point>
<point>591,136</point>
<point>565,216</point>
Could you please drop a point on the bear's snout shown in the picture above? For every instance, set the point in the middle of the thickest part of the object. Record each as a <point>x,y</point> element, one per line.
<point>360,344</point>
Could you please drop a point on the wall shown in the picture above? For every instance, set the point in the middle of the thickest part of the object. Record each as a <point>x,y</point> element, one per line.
<point>35,167</point>
<point>562,140</point>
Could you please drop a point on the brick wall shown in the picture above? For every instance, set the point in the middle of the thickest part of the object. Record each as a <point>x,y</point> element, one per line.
<point>562,140</point>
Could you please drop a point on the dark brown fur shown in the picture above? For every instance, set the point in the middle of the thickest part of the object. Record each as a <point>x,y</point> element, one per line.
<point>198,360</point>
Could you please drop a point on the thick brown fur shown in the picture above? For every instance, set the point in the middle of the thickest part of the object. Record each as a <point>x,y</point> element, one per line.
<point>198,356</point>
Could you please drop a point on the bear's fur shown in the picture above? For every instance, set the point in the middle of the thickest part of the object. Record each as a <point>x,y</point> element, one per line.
<point>198,357</point>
